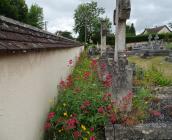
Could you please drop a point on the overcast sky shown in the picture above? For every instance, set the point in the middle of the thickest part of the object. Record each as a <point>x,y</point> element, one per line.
<point>144,13</point>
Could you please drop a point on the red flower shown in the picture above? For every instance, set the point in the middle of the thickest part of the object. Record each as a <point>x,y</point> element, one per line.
<point>155,113</point>
<point>93,62</point>
<point>62,84</point>
<point>47,126</point>
<point>51,115</point>
<point>103,66</point>
<point>76,134</point>
<point>109,107</point>
<point>92,138</point>
<point>92,129</point>
<point>100,109</point>
<point>86,75</point>
<point>113,118</point>
<point>106,96</point>
<point>59,120</point>
<point>108,80</point>
<point>70,62</point>
<point>86,103</point>
<point>82,107</point>
<point>77,90</point>
<point>71,123</point>
<point>69,81</point>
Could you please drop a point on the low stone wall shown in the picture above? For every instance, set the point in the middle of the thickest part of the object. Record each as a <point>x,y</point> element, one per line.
<point>151,131</point>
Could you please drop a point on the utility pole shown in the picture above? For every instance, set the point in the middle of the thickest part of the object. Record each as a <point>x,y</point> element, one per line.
<point>46,22</point>
<point>85,31</point>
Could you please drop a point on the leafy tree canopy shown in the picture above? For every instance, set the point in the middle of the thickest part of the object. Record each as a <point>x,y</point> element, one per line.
<point>130,30</point>
<point>66,34</point>
<point>35,16</point>
<point>18,10</point>
<point>87,21</point>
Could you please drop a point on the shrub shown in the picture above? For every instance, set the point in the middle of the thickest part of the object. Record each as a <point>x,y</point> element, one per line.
<point>156,77</point>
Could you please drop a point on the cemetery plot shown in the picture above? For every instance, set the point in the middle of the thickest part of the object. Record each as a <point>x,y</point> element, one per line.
<point>158,62</point>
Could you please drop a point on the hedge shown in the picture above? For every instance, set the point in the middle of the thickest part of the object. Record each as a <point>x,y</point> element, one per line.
<point>140,38</point>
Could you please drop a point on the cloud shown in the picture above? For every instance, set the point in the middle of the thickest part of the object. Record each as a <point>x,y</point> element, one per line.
<point>144,13</point>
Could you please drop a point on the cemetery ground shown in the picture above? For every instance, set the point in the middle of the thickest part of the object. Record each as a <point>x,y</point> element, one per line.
<point>156,61</point>
<point>84,105</point>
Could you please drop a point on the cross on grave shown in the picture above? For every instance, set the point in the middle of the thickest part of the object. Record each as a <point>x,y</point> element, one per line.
<point>103,35</point>
<point>121,72</point>
<point>121,14</point>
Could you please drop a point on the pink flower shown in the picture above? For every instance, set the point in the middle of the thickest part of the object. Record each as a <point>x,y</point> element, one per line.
<point>76,134</point>
<point>86,103</point>
<point>92,138</point>
<point>47,126</point>
<point>113,118</point>
<point>71,123</point>
<point>51,115</point>
<point>86,75</point>
<point>92,129</point>
<point>155,113</point>
<point>109,107</point>
<point>100,109</point>
<point>103,66</point>
<point>70,62</point>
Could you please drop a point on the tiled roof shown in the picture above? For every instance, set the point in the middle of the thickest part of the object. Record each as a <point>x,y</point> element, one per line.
<point>155,30</point>
<point>16,36</point>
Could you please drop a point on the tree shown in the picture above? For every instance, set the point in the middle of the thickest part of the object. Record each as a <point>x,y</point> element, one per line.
<point>130,30</point>
<point>35,16</point>
<point>170,25</point>
<point>21,8</point>
<point>18,10</point>
<point>87,20</point>
<point>96,37</point>
<point>65,34</point>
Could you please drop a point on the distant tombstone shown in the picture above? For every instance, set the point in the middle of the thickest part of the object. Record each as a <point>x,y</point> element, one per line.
<point>150,38</point>
<point>103,35</point>
<point>156,44</point>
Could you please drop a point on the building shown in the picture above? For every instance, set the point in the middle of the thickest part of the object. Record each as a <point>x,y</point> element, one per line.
<point>32,63</point>
<point>157,30</point>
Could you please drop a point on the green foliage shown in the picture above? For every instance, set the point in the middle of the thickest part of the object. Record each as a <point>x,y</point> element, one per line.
<point>169,46</point>
<point>85,89</point>
<point>18,10</point>
<point>130,30</point>
<point>140,102</point>
<point>156,77</point>
<point>87,19</point>
<point>35,16</point>
<point>139,38</point>
<point>66,34</point>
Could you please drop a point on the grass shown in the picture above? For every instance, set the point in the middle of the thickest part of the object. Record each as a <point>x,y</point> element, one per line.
<point>158,62</point>
<point>169,46</point>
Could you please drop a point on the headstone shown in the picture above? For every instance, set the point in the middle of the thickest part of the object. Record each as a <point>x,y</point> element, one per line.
<point>150,39</point>
<point>156,44</point>
<point>121,14</point>
<point>122,71</point>
<point>103,36</point>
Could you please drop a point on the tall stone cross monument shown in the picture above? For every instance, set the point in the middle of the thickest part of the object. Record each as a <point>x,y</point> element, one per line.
<point>121,14</point>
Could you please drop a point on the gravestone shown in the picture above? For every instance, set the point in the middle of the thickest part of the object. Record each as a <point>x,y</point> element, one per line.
<point>103,36</point>
<point>121,69</point>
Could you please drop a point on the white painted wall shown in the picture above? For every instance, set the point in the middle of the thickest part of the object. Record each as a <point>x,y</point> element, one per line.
<point>27,83</point>
<point>164,30</point>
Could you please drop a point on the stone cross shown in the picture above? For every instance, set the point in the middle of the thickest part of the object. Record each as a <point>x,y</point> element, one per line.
<point>121,14</point>
<point>103,35</point>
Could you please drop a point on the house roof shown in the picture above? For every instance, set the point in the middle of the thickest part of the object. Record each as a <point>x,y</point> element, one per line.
<point>155,29</point>
<point>16,36</point>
